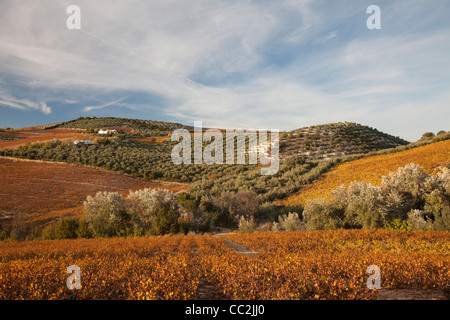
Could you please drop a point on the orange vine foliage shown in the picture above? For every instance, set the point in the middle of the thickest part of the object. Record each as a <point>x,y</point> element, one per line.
<point>372,169</point>
<point>289,265</point>
<point>333,264</point>
<point>139,268</point>
<point>44,190</point>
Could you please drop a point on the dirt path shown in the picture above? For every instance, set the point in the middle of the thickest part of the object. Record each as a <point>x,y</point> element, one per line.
<point>413,294</point>
<point>209,291</point>
<point>383,294</point>
<point>236,247</point>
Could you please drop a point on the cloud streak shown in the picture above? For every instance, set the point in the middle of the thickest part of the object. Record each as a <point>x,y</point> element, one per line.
<point>281,64</point>
<point>104,105</point>
<point>24,104</point>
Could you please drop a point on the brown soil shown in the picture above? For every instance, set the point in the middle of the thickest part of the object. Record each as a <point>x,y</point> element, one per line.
<point>413,294</point>
<point>208,291</point>
<point>36,189</point>
<point>238,248</point>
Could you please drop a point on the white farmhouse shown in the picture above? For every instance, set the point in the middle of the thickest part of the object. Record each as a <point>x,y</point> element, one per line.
<point>107,131</point>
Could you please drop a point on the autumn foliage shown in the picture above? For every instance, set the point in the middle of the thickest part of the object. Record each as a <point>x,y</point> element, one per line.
<point>372,169</point>
<point>288,265</point>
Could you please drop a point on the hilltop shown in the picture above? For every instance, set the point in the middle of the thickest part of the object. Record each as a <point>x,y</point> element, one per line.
<point>335,140</point>
<point>137,126</point>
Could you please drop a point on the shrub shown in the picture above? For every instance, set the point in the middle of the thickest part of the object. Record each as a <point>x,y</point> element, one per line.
<point>106,213</point>
<point>228,205</point>
<point>397,224</point>
<point>409,199</point>
<point>428,135</point>
<point>83,230</point>
<point>165,220</point>
<point>409,183</point>
<point>246,204</point>
<point>291,222</point>
<point>64,228</point>
<point>147,208</point>
<point>417,220</point>
<point>276,226</point>
<point>319,215</point>
<point>246,226</point>
<point>362,203</point>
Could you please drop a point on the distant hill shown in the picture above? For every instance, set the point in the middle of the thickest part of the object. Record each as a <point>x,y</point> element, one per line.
<point>335,140</point>
<point>144,127</point>
<point>315,142</point>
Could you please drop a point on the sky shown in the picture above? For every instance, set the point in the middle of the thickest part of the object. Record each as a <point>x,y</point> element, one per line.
<point>229,63</point>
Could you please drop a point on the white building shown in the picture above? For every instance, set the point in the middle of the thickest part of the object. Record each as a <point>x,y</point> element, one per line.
<point>107,131</point>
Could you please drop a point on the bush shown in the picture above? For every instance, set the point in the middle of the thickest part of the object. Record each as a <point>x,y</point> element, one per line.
<point>428,135</point>
<point>83,230</point>
<point>409,183</point>
<point>147,211</point>
<point>319,215</point>
<point>145,205</point>
<point>409,199</point>
<point>64,228</point>
<point>246,204</point>
<point>398,224</point>
<point>417,220</point>
<point>290,222</point>
<point>106,213</point>
<point>229,205</point>
<point>246,226</point>
<point>165,220</point>
<point>362,203</point>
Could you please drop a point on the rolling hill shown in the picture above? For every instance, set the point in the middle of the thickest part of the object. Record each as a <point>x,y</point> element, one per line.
<point>39,191</point>
<point>335,140</point>
<point>143,127</point>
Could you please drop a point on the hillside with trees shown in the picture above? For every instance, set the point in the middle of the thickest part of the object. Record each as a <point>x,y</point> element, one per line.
<point>233,195</point>
<point>335,140</point>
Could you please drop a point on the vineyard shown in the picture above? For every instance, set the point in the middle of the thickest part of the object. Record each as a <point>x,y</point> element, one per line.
<point>285,265</point>
<point>43,191</point>
<point>372,169</point>
<point>15,138</point>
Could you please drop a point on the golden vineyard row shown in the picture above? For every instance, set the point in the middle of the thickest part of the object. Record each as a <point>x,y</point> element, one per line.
<point>372,169</point>
<point>289,265</point>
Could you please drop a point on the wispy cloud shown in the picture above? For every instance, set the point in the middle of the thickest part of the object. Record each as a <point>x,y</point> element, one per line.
<point>280,64</point>
<point>24,104</point>
<point>104,105</point>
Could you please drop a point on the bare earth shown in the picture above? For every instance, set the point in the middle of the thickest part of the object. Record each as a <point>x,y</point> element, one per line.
<point>46,190</point>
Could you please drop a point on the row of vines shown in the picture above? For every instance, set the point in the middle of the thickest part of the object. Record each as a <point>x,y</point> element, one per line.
<point>288,265</point>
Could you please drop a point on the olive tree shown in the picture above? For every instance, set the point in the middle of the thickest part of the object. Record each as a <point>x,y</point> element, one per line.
<point>106,213</point>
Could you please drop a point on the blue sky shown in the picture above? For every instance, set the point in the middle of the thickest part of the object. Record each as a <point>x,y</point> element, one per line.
<point>236,63</point>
